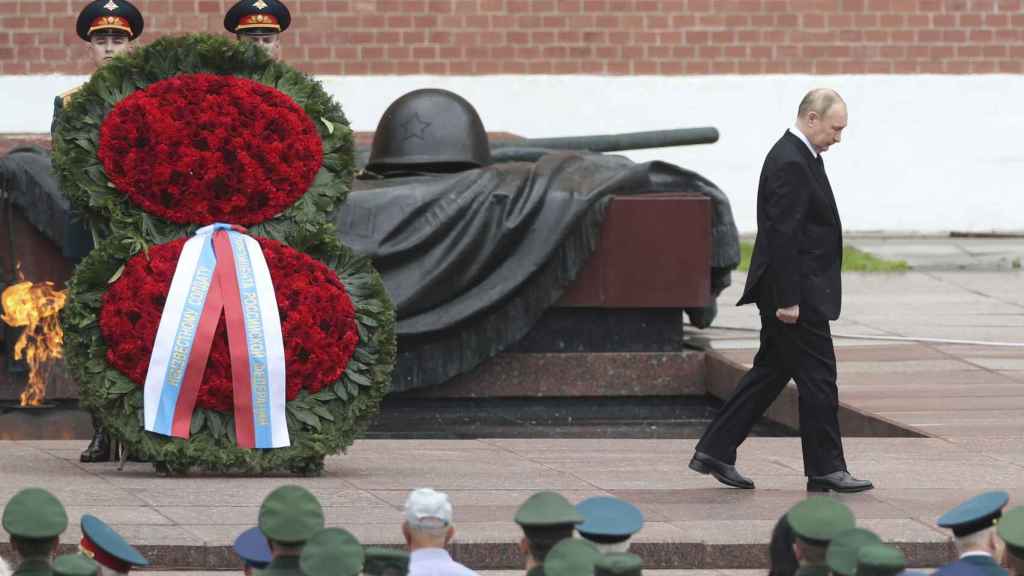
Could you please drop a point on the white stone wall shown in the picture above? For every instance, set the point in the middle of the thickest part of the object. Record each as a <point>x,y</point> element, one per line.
<point>921,154</point>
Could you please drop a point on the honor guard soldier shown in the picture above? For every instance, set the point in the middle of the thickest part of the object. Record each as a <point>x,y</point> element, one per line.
<point>546,519</point>
<point>974,534</point>
<point>571,557</point>
<point>332,552</point>
<point>35,519</point>
<point>289,516</point>
<point>880,560</point>
<point>109,26</point>
<point>385,562</point>
<point>815,522</point>
<point>609,523</point>
<point>101,543</point>
<point>75,565</point>
<point>259,21</point>
<point>251,546</point>
<point>841,556</point>
<point>1011,530</point>
<point>619,564</point>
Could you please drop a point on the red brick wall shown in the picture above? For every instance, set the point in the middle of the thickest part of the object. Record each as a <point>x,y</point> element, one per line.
<point>459,37</point>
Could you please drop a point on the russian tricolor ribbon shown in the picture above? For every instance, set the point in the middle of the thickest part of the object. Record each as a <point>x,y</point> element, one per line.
<point>220,269</point>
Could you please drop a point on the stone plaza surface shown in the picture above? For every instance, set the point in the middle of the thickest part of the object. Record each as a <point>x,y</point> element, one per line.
<point>965,401</point>
<point>692,522</point>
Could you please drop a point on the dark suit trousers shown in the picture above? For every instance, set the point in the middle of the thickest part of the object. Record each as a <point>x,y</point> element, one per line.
<point>804,353</point>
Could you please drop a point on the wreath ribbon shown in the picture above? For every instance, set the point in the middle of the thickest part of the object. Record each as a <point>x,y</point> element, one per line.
<point>221,268</point>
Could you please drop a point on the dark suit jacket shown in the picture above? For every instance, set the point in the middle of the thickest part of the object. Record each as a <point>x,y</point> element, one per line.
<point>798,253</point>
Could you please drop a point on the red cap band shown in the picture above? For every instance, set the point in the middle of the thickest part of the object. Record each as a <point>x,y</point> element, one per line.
<point>258,21</point>
<point>110,23</point>
<point>101,557</point>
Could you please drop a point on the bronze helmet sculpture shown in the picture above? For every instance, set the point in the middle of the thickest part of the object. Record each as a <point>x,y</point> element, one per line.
<point>429,130</point>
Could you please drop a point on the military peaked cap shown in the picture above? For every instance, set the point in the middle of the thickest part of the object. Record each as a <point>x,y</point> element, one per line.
<point>252,547</point>
<point>109,15</point>
<point>257,16</point>
<point>290,514</point>
<point>880,560</point>
<point>547,509</point>
<point>1011,530</point>
<point>34,513</point>
<point>819,518</point>
<point>842,550</point>
<point>976,514</point>
<point>332,552</point>
<point>101,543</point>
<point>571,557</point>
<point>607,519</point>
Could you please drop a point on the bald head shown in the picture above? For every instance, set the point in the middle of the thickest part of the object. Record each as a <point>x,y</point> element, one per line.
<point>822,117</point>
<point>819,101</point>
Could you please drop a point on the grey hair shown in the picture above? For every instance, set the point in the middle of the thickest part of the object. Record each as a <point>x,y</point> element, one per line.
<point>819,101</point>
<point>975,541</point>
<point>612,547</point>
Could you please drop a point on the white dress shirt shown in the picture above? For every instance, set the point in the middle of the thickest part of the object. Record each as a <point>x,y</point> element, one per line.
<point>435,562</point>
<point>975,553</point>
<point>799,134</point>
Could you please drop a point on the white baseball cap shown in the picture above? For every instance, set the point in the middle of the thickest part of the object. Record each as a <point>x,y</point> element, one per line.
<point>427,508</point>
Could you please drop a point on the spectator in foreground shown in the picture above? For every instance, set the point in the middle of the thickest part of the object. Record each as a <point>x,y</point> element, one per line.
<point>974,534</point>
<point>815,522</point>
<point>546,518</point>
<point>428,529</point>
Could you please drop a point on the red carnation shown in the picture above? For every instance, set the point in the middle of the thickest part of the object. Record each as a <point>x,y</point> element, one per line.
<point>317,321</point>
<point>202,148</point>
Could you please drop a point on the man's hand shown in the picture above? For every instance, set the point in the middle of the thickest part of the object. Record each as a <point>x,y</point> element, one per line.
<point>788,315</point>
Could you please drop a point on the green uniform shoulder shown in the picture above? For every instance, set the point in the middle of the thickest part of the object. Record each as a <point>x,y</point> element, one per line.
<point>65,97</point>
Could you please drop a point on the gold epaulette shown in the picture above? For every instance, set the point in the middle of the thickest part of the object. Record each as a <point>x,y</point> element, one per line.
<point>65,97</point>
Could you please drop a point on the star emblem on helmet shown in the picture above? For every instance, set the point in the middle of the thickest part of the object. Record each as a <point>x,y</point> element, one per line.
<point>414,127</point>
<point>111,6</point>
<point>260,4</point>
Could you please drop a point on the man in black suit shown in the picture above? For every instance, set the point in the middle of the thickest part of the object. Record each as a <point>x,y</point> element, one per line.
<point>795,280</point>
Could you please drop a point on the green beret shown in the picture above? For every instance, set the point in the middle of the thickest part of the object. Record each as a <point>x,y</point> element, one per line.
<point>1011,530</point>
<point>818,519</point>
<point>34,513</point>
<point>571,557</point>
<point>290,515</point>
<point>843,549</point>
<point>386,562</point>
<point>880,560</point>
<point>75,565</point>
<point>547,509</point>
<point>619,564</point>
<point>332,552</point>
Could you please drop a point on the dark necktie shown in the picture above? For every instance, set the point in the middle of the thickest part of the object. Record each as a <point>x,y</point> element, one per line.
<point>819,164</point>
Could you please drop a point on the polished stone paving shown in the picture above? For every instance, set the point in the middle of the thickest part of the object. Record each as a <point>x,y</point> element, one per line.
<point>966,400</point>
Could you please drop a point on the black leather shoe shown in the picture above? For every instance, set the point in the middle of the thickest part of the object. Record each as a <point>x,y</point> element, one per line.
<point>98,450</point>
<point>839,481</point>
<point>724,473</point>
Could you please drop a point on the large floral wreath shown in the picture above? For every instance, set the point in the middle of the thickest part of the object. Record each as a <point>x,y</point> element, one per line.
<point>324,415</point>
<point>181,133</point>
<point>160,138</point>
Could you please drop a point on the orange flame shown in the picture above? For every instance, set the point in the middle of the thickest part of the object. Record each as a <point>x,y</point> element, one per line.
<point>35,306</point>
